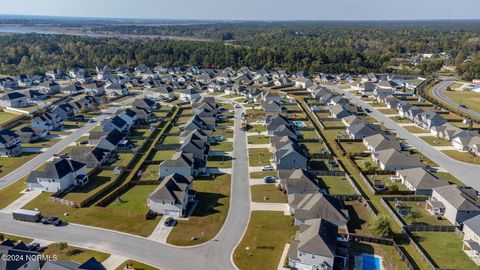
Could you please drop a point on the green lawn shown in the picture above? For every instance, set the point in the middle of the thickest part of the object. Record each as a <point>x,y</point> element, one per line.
<point>432,140</point>
<point>445,248</point>
<point>257,128</point>
<point>354,147</point>
<point>222,146</point>
<point>219,162</point>
<point>164,155</point>
<point>462,156</point>
<point>9,164</point>
<point>123,159</point>
<point>400,120</point>
<point>259,156</point>
<point>263,243</point>
<point>113,219</point>
<point>267,193</point>
<point>14,238</point>
<point>419,215</point>
<point>256,139</point>
<point>227,133</point>
<point>6,117</point>
<point>140,132</point>
<point>468,98</point>
<point>391,259</point>
<point>257,175</point>
<point>312,148</point>
<point>96,182</point>
<point>415,129</point>
<point>75,254</point>
<point>134,200</point>
<point>150,173</point>
<point>171,140</point>
<point>12,192</point>
<point>336,185</point>
<point>136,266</point>
<point>450,178</point>
<point>387,111</point>
<point>209,215</point>
<point>309,135</point>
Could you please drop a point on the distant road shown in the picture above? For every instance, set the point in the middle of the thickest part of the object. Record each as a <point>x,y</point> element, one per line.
<point>438,92</point>
<point>26,168</point>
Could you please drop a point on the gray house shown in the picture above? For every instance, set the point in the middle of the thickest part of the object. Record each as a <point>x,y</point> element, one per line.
<point>318,205</point>
<point>172,196</point>
<point>420,180</point>
<point>290,156</point>
<point>456,204</point>
<point>298,181</point>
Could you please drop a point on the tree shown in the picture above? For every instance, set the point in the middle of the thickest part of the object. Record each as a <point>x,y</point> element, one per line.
<point>380,226</point>
<point>62,245</point>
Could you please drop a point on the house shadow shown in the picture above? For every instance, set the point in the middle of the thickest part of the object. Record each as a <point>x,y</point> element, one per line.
<point>207,203</point>
<point>211,177</point>
<point>355,222</point>
<point>220,158</point>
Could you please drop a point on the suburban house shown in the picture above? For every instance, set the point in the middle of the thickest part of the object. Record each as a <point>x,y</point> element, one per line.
<point>58,175</point>
<point>65,111</point>
<point>49,88</point>
<point>303,83</point>
<point>21,257</point>
<point>272,106</point>
<point>181,163</point>
<point>116,90</point>
<point>448,131</point>
<point>92,157</point>
<point>172,196</point>
<point>90,264</point>
<point>290,156</point>
<point>318,205</point>
<point>393,160</point>
<point>10,144</point>
<point>108,140</point>
<point>412,112</point>
<point>420,180</point>
<point>13,100</point>
<point>94,89</point>
<point>298,181</point>
<point>471,238</point>
<point>427,120</point>
<point>198,146</point>
<point>189,95</point>
<point>29,134</point>
<point>115,123</point>
<point>71,89</point>
<point>314,245</point>
<point>463,143</point>
<point>285,130</point>
<point>352,120</point>
<point>274,122</point>
<point>163,92</point>
<point>362,130</point>
<point>47,121</point>
<point>338,111</point>
<point>379,142</point>
<point>456,204</point>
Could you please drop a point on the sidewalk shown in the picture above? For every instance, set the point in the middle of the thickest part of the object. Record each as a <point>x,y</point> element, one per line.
<point>278,207</point>
<point>114,261</point>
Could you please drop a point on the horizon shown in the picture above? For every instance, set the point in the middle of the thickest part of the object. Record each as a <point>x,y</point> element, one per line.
<point>249,10</point>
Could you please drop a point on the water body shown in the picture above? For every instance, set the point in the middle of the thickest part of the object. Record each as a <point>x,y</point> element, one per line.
<point>17,30</point>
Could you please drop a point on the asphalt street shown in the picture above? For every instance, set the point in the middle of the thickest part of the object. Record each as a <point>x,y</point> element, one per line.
<point>439,92</point>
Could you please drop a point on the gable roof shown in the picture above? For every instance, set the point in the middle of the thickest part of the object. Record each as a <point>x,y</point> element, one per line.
<point>462,198</point>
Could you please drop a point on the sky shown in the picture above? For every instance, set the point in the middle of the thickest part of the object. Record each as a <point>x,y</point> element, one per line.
<point>249,9</point>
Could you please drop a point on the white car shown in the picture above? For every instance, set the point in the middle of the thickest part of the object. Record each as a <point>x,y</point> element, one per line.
<point>267,168</point>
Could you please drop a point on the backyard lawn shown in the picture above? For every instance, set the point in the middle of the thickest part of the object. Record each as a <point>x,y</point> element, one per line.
<point>336,185</point>
<point>445,248</point>
<point>263,243</point>
<point>123,159</point>
<point>256,139</point>
<point>354,147</point>
<point>390,258</point>
<point>208,217</point>
<point>96,182</point>
<point>309,135</point>
<point>462,156</point>
<point>120,220</point>
<point>171,140</point>
<point>164,155</point>
<point>134,200</point>
<point>419,215</point>
<point>267,193</point>
<point>75,254</point>
<point>150,173</point>
<point>259,157</point>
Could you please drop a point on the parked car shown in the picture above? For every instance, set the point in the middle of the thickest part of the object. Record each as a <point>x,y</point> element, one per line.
<point>238,106</point>
<point>249,101</point>
<point>92,120</point>
<point>270,179</point>
<point>170,222</point>
<point>219,138</point>
<point>368,110</point>
<point>267,168</point>
<point>52,221</point>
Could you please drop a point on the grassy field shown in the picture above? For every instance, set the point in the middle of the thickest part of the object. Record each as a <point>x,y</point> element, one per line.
<point>445,248</point>
<point>462,156</point>
<point>432,140</point>
<point>164,155</point>
<point>96,182</point>
<point>336,185</point>
<point>9,164</point>
<point>259,156</point>
<point>267,193</point>
<point>415,129</point>
<point>113,219</point>
<point>222,146</point>
<point>468,98</point>
<point>136,266</point>
<point>75,254</point>
<point>354,147</point>
<point>263,174</point>
<point>255,139</point>
<point>419,215</point>
<point>134,200</point>
<point>208,217</point>
<point>264,241</point>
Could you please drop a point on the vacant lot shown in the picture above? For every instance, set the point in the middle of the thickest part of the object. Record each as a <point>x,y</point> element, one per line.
<point>256,139</point>
<point>468,98</point>
<point>134,200</point>
<point>267,193</point>
<point>208,218</point>
<point>445,248</point>
<point>263,243</point>
<point>75,254</point>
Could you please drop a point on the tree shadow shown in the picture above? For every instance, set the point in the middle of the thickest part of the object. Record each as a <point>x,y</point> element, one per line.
<point>207,204</point>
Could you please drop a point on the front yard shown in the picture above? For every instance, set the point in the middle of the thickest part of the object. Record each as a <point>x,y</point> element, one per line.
<point>256,139</point>
<point>209,215</point>
<point>75,254</point>
<point>259,157</point>
<point>415,129</point>
<point>462,156</point>
<point>263,243</point>
<point>432,140</point>
<point>267,193</point>
<point>134,200</point>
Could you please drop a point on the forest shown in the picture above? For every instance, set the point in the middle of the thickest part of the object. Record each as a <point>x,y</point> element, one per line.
<point>331,47</point>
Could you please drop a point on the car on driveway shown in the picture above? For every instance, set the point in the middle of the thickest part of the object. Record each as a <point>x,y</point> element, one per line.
<point>267,168</point>
<point>170,222</point>
<point>92,120</point>
<point>218,138</point>
<point>52,221</point>
<point>270,179</point>
<point>238,106</point>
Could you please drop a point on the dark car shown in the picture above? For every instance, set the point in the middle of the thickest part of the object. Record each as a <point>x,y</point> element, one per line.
<point>169,222</point>
<point>52,221</point>
<point>368,110</point>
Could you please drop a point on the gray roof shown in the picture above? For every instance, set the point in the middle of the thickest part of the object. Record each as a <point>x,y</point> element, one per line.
<point>392,157</point>
<point>462,198</point>
<point>381,142</point>
<point>473,224</point>
<point>316,236</point>
<point>174,187</point>
<point>300,179</point>
<point>317,205</point>
<point>422,179</point>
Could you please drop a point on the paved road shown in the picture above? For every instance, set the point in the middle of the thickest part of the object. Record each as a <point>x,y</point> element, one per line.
<point>37,161</point>
<point>439,92</point>
<point>465,172</point>
<point>215,254</point>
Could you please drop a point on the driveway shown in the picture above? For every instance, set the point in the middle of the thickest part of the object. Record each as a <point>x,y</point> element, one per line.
<point>279,207</point>
<point>23,200</point>
<point>465,172</point>
<point>161,232</point>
